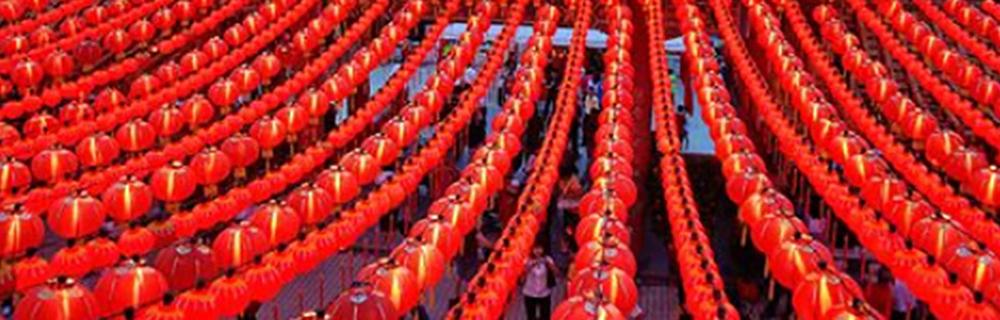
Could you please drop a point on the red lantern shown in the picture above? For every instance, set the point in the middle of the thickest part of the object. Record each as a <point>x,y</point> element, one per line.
<point>40,124</point>
<point>53,165</point>
<point>596,227</point>
<point>362,165</point>
<point>436,230</point>
<point>27,74</point>
<point>173,183</point>
<point>423,260</point>
<point>136,242</point>
<point>57,300</point>
<point>616,285</point>
<point>142,30</point>
<point>198,304</point>
<point>264,281</point>
<point>76,112</point>
<point>586,307</point>
<point>224,93</point>
<point>130,285</point>
<point>362,303</point>
<point>109,99</point>
<point>13,174</point>
<point>965,162</point>
<point>197,111</point>
<point>295,119</point>
<point>316,103</point>
<point>608,250</point>
<point>117,41</point>
<point>340,183</point>
<point>167,121</point>
<point>128,199</point>
<point>382,148</point>
<point>19,232</point>
<point>136,136</point>
<point>821,291</point>
<point>76,216</point>
<point>940,145</point>
<point>242,151</point>
<point>185,264</point>
<point>397,282</point>
<point>211,166</point>
<point>194,61</point>
<point>269,133</point>
<point>97,150</point>
<point>278,221</point>
<point>268,65</point>
<point>987,185</point>
<point>795,259</point>
<point>31,271</point>
<point>235,246</point>
<point>312,203</point>
<point>59,64</point>
<point>231,295</point>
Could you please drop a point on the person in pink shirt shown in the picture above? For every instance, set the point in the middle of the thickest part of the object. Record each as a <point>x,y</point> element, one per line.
<point>538,283</point>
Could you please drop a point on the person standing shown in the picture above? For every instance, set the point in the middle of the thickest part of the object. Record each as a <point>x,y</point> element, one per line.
<point>538,284</point>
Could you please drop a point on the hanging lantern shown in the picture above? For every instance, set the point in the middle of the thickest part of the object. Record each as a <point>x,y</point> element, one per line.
<point>117,41</point>
<point>211,167</point>
<point>935,235</point>
<point>136,136</point>
<point>224,93</point>
<point>143,86</point>
<point>616,285</point>
<point>265,282</point>
<point>215,48</point>
<point>59,64</point>
<point>397,282</point>
<point>382,148</point>
<point>340,183</point>
<point>362,165</point>
<point>362,302</point>
<point>194,61</point>
<point>104,253</point>
<point>231,295</point>
<point>198,304</point>
<point>54,165</point>
<point>316,103</point>
<point>73,261</point>
<point>27,74</point>
<point>30,272</point>
<point>268,65</point>
<point>109,99</point>
<point>423,260</point>
<point>234,247</point>
<point>197,111</point>
<point>269,133</point>
<point>185,264</point>
<point>167,121</point>
<point>242,151</point>
<point>75,216</point>
<point>278,221</point>
<point>940,145</point>
<point>97,150</point>
<point>295,119</point>
<point>965,162</point>
<point>13,175</point>
<point>312,203</point>
<point>128,199</point>
<point>173,184</point>
<point>821,291</point>
<point>246,78</point>
<point>76,112</point>
<point>586,307</point>
<point>57,300</point>
<point>19,232</point>
<point>40,124</point>
<point>987,185</point>
<point>608,250</point>
<point>436,230</point>
<point>129,286</point>
<point>597,227</point>
<point>136,242</point>
<point>795,259</point>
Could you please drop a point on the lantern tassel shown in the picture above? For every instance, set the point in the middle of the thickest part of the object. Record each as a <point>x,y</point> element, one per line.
<point>743,236</point>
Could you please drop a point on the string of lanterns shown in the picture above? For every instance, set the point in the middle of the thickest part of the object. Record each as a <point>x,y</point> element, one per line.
<point>964,37</point>
<point>80,88</point>
<point>944,94</point>
<point>13,12</point>
<point>601,278</point>
<point>131,198</point>
<point>991,8</point>
<point>702,283</point>
<point>107,121</point>
<point>819,290</point>
<point>383,285</point>
<point>493,283</point>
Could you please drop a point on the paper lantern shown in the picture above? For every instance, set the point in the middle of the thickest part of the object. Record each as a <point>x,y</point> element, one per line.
<point>312,203</point>
<point>75,216</point>
<point>73,261</point>
<point>234,247</point>
<point>211,167</point>
<point>40,124</point>
<point>793,260</point>
<point>53,165</point>
<point>57,300</point>
<point>242,151</point>
<point>173,183</point>
<point>264,281</point>
<point>136,136</point>
<point>198,304</point>
<point>362,302</point>
<point>820,292</point>
<point>382,148</point>
<point>615,284</point>
<point>364,166</point>
<point>128,199</point>
<point>185,264</point>
<point>279,222</point>
<point>59,64</point>
<point>13,174</point>
<point>224,93</point>
<point>423,260</point>
<point>987,185</point>
<point>130,285</point>
<point>97,150</point>
<point>269,133</point>
<point>965,162</point>
<point>398,283</point>
<point>436,230</point>
<point>136,242</point>
<point>586,307</point>
<point>340,183</point>
<point>27,74</point>
<point>608,250</point>
<point>19,231</point>
<point>232,294</point>
<point>197,111</point>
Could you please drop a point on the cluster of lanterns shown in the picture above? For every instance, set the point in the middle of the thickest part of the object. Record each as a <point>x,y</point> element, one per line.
<point>950,62</point>
<point>916,217</point>
<point>702,282</point>
<point>108,121</point>
<point>13,13</point>
<point>942,147</point>
<point>991,8</point>
<point>80,87</point>
<point>973,34</point>
<point>486,298</point>
<point>601,284</point>
<point>819,290</point>
<point>391,286</point>
<point>80,215</point>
